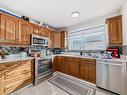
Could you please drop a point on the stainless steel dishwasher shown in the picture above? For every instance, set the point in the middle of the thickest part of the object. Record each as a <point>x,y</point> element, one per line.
<point>111,75</point>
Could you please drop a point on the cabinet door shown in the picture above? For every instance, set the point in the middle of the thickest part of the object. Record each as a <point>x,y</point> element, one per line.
<point>71,67</point>
<point>57,39</point>
<point>63,39</point>
<point>51,39</point>
<point>26,30</point>
<point>87,71</point>
<point>9,29</point>
<point>14,76</point>
<point>57,64</point>
<point>115,30</point>
<point>37,30</point>
<point>44,32</point>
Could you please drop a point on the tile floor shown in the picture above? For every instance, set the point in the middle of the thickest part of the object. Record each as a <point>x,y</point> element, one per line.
<point>47,88</point>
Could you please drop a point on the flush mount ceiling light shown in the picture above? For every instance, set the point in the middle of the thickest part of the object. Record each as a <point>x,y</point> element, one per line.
<point>75,14</point>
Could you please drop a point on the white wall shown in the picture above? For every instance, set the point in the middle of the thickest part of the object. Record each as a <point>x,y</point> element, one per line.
<point>124,14</point>
<point>95,21</point>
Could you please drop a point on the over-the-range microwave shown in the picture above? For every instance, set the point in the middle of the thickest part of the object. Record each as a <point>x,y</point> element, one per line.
<point>39,40</point>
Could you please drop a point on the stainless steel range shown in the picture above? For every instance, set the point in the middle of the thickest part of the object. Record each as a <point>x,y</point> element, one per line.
<point>43,69</point>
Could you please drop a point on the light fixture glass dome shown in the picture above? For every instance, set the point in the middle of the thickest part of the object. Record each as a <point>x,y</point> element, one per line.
<point>75,14</point>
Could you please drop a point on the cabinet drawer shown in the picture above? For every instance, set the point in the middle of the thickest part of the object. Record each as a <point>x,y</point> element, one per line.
<point>8,88</point>
<point>68,59</point>
<point>25,63</point>
<point>19,71</point>
<point>7,66</point>
<point>88,60</point>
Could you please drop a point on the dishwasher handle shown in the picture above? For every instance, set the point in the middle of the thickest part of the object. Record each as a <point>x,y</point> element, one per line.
<point>111,64</point>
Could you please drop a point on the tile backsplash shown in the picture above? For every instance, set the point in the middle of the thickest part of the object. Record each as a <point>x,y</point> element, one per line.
<point>14,50</point>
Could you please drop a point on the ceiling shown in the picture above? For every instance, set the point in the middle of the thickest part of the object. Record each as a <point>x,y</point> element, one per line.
<point>57,13</point>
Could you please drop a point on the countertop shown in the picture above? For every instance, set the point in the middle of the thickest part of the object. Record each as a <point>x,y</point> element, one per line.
<point>17,59</point>
<point>79,56</point>
<point>68,55</point>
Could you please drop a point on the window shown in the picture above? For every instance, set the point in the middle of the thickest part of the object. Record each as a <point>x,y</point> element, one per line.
<point>90,39</point>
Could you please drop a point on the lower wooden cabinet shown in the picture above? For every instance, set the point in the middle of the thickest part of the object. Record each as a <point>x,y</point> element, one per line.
<point>82,68</point>
<point>87,70</point>
<point>70,66</point>
<point>57,66</point>
<point>15,76</point>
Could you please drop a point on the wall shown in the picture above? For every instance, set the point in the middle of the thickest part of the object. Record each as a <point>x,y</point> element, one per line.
<point>94,22</point>
<point>124,14</point>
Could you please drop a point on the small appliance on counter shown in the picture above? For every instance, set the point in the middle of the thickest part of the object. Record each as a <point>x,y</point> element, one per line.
<point>114,52</point>
<point>25,18</point>
<point>56,50</point>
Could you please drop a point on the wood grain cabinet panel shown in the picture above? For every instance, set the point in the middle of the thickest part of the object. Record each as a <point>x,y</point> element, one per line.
<point>64,39</point>
<point>115,30</point>
<point>36,30</point>
<point>57,39</point>
<point>82,68</point>
<point>9,29</point>
<point>15,76</point>
<point>57,64</point>
<point>26,29</point>
<point>70,66</point>
<point>87,70</point>
<point>51,39</point>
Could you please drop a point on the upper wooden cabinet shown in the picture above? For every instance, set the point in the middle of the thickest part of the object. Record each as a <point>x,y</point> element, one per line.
<point>44,32</point>
<point>9,29</point>
<point>57,40</point>
<point>51,39</point>
<point>26,29</point>
<point>115,30</point>
<point>60,39</point>
<point>64,39</point>
<point>36,30</point>
<point>15,31</point>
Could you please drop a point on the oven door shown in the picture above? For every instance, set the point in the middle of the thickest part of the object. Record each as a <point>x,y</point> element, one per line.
<point>43,66</point>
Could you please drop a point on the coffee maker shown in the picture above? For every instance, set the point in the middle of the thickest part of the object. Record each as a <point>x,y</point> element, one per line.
<point>56,50</point>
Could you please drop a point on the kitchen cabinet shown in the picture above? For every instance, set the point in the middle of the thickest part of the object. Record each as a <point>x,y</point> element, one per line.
<point>9,29</point>
<point>114,25</point>
<point>15,75</point>
<point>87,70</point>
<point>36,30</point>
<point>64,39</point>
<point>15,31</point>
<point>57,63</point>
<point>51,39</point>
<point>60,39</point>
<point>70,66</point>
<point>44,32</point>
<point>57,40</point>
<point>83,68</point>
<point>26,29</point>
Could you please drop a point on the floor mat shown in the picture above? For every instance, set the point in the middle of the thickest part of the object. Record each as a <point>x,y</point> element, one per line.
<point>70,86</point>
